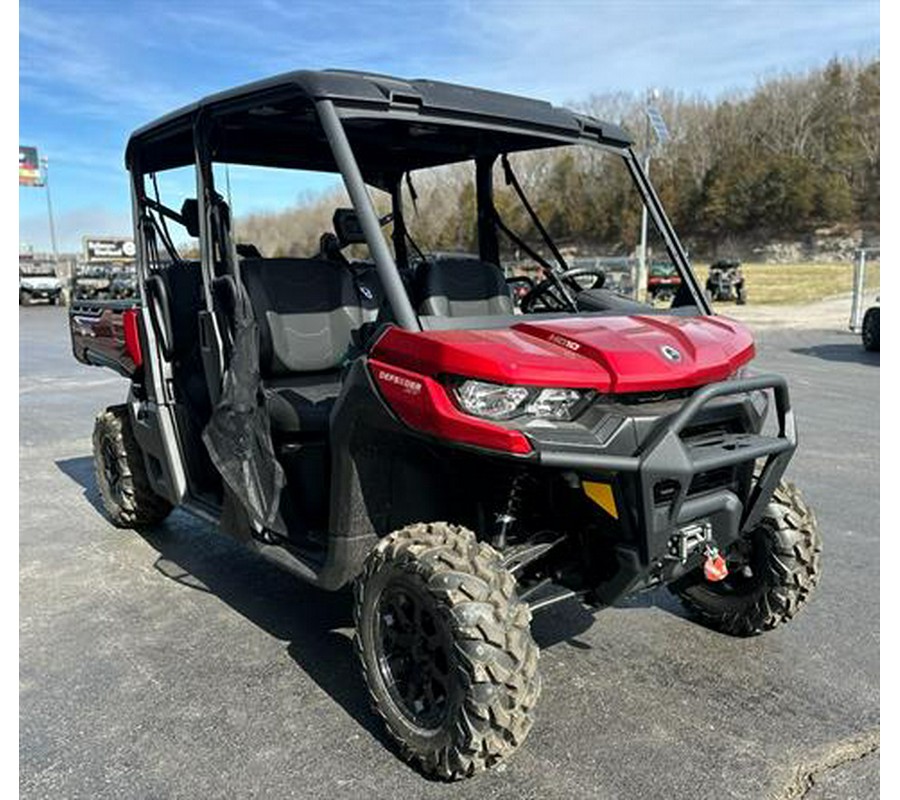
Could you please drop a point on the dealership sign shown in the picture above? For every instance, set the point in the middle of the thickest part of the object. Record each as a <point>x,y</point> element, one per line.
<point>29,167</point>
<point>108,248</point>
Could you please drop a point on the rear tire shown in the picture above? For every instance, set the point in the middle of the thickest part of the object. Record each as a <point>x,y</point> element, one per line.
<point>121,475</point>
<point>24,299</point>
<point>871,330</point>
<point>785,551</point>
<point>446,649</point>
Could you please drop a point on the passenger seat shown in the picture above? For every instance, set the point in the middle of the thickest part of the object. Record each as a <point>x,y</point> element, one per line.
<point>461,286</point>
<point>309,312</point>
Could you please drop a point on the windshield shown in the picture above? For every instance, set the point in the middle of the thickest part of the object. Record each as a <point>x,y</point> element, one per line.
<point>565,230</point>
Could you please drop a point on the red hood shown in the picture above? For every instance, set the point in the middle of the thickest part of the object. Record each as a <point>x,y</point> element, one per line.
<point>610,354</point>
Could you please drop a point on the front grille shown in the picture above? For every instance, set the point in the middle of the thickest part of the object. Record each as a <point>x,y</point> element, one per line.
<point>639,398</point>
<point>699,434</point>
<point>712,435</point>
<point>713,479</point>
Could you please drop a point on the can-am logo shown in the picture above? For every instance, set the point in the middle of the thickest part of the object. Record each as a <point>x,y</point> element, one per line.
<point>409,385</point>
<point>563,342</point>
<point>670,353</point>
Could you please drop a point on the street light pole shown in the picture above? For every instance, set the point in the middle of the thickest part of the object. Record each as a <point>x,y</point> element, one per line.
<point>642,254</point>
<point>656,122</point>
<point>46,165</point>
<point>641,294</point>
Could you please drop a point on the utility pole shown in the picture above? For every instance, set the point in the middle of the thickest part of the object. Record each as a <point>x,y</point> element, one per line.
<point>642,253</point>
<point>658,125</point>
<point>857,305</point>
<point>46,166</point>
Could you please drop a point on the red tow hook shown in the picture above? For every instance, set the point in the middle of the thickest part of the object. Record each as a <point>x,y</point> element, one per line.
<point>714,567</point>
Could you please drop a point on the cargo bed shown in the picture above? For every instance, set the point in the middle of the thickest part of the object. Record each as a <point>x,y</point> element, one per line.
<point>105,334</point>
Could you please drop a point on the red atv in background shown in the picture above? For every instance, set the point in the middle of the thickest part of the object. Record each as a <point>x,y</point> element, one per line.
<point>465,457</point>
<point>663,282</point>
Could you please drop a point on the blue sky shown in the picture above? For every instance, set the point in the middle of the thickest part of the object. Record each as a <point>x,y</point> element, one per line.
<point>92,71</point>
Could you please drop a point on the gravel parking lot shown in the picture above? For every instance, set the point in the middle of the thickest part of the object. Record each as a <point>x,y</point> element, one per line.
<point>175,664</point>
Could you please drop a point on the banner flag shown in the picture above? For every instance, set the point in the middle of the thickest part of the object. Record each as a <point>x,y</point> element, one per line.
<point>29,167</point>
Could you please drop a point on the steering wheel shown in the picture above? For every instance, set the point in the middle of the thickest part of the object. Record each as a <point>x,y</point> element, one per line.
<point>546,296</point>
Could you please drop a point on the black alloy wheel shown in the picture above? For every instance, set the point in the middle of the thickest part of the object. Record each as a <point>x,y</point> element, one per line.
<point>414,651</point>
<point>445,648</point>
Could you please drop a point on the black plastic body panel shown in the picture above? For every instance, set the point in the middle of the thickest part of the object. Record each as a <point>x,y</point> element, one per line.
<point>660,484</point>
<point>384,475</point>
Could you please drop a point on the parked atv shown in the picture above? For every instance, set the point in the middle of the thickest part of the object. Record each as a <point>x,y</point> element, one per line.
<point>39,283</point>
<point>122,284</point>
<point>92,282</point>
<point>726,282</point>
<point>663,281</point>
<point>403,424</point>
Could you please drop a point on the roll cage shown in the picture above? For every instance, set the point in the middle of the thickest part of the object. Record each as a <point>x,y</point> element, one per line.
<point>371,129</point>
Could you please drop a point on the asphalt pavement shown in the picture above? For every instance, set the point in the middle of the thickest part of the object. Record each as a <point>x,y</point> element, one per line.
<point>175,664</point>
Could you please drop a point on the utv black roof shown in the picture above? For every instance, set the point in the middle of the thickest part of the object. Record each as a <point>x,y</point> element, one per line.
<point>393,125</point>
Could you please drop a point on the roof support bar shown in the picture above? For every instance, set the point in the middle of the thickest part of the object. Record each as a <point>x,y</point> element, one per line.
<point>488,245</point>
<point>368,218</point>
<point>673,245</point>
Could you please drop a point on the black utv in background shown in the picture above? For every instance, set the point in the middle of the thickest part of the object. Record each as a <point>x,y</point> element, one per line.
<point>92,282</point>
<point>726,282</point>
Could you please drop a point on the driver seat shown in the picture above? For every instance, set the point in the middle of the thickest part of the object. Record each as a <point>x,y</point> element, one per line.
<point>461,286</point>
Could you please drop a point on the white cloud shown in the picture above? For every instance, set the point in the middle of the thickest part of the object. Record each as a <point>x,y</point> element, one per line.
<point>79,64</point>
<point>568,51</point>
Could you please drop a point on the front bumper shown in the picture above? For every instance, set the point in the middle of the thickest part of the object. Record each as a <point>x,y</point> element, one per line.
<point>658,485</point>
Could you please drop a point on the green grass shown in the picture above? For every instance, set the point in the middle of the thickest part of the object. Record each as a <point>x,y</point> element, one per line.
<point>793,284</point>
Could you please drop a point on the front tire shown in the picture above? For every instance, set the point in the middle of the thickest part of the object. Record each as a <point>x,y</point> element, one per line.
<point>446,649</point>
<point>783,554</point>
<point>121,475</point>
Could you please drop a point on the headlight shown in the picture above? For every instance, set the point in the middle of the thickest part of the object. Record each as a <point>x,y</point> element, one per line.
<point>554,403</point>
<point>496,401</point>
<point>490,399</point>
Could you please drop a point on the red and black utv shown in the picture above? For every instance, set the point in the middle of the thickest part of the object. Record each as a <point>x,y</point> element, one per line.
<point>663,281</point>
<point>402,422</point>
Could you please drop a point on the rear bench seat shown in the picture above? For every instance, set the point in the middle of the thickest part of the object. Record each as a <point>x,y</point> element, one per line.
<point>309,312</point>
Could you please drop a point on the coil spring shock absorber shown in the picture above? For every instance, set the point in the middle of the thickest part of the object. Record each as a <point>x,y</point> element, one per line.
<point>507,518</point>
